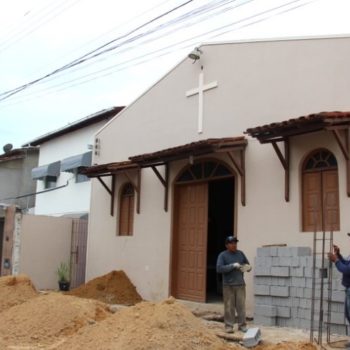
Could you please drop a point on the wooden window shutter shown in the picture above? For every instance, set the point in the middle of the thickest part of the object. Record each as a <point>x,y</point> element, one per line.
<point>330,200</point>
<point>320,192</point>
<point>312,202</point>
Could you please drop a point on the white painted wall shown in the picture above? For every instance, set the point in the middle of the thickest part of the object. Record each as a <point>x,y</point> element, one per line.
<point>74,198</point>
<point>258,83</point>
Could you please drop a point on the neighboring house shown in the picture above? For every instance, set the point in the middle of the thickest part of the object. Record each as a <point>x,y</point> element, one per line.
<point>15,183</point>
<point>181,167</point>
<point>61,190</point>
<point>15,176</point>
<point>62,205</point>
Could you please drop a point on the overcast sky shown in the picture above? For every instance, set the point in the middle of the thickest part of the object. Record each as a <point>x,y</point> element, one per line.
<point>134,43</point>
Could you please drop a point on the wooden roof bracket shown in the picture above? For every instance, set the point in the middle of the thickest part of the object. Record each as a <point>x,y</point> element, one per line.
<point>136,186</point>
<point>240,167</point>
<point>285,161</point>
<point>343,143</point>
<point>165,182</point>
<point>110,191</point>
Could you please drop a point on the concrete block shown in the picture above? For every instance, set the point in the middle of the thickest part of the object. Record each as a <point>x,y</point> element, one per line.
<point>338,329</point>
<point>297,271</point>
<point>288,261</point>
<point>279,291</point>
<point>260,289</point>
<point>263,300</point>
<point>296,302</point>
<point>306,261</point>
<point>303,323</point>
<point>300,251</point>
<point>284,251</point>
<point>265,261</point>
<point>307,293</point>
<point>338,296</point>
<point>337,284</point>
<point>265,310</point>
<point>264,321</point>
<point>308,271</point>
<point>282,301</point>
<point>305,303</point>
<point>338,318</point>
<point>252,337</point>
<point>282,271</point>
<point>266,251</point>
<point>308,283</point>
<point>275,261</point>
<point>283,311</point>
<point>292,292</point>
<point>262,280</point>
<point>286,322</point>
<point>262,270</point>
<point>300,292</point>
<point>280,281</point>
<point>337,307</point>
<point>298,282</point>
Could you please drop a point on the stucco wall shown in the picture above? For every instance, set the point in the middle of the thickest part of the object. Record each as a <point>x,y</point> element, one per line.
<point>44,244</point>
<point>259,82</point>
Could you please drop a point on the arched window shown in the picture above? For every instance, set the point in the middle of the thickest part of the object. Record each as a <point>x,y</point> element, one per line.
<point>320,192</point>
<point>204,171</point>
<point>126,210</point>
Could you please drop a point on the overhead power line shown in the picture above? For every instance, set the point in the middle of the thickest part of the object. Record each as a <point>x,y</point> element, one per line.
<point>9,93</point>
<point>92,76</point>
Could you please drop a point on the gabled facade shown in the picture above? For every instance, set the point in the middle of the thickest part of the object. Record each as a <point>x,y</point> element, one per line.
<point>194,171</point>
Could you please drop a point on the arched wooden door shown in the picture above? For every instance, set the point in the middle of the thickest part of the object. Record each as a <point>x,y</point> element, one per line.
<point>189,254</point>
<point>320,192</point>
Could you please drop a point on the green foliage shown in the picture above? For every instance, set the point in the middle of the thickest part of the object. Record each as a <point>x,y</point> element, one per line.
<point>63,272</point>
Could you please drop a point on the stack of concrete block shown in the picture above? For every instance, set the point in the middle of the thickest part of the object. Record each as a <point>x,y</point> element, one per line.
<point>283,289</point>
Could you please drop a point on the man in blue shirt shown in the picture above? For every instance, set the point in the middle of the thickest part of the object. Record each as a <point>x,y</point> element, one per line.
<point>343,266</point>
<point>232,263</point>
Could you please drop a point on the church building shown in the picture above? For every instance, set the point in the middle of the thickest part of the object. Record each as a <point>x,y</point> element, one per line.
<point>240,138</point>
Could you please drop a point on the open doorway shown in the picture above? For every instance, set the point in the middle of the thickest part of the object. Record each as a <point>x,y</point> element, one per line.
<point>220,224</point>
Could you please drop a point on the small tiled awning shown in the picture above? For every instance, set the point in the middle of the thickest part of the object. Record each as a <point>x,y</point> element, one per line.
<point>164,157</point>
<point>197,148</point>
<point>70,164</point>
<point>112,169</point>
<point>298,126</point>
<point>52,169</point>
<point>336,122</point>
<point>108,169</point>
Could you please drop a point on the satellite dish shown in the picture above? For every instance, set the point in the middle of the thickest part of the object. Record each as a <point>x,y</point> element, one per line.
<point>8,147</point>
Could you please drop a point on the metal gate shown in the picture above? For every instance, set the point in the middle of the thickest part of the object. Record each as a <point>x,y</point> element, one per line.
<point>78,252</point>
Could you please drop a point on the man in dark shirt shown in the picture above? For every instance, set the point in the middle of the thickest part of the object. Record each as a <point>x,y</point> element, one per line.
<point>232,263</point>
<point>342,266</point>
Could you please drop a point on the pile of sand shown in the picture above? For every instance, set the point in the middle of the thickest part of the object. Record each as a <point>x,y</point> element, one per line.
<point>48,317</point>
<point>112,288</point>
<point>148,326</point>
<point>15,290</point>
<point>287,346</point>
<point>29,320</point>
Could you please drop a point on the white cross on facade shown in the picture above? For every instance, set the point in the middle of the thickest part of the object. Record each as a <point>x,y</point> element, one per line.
<point>201,88</point>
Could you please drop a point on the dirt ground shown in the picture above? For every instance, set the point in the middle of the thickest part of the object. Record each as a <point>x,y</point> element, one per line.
<point>52,320</point>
